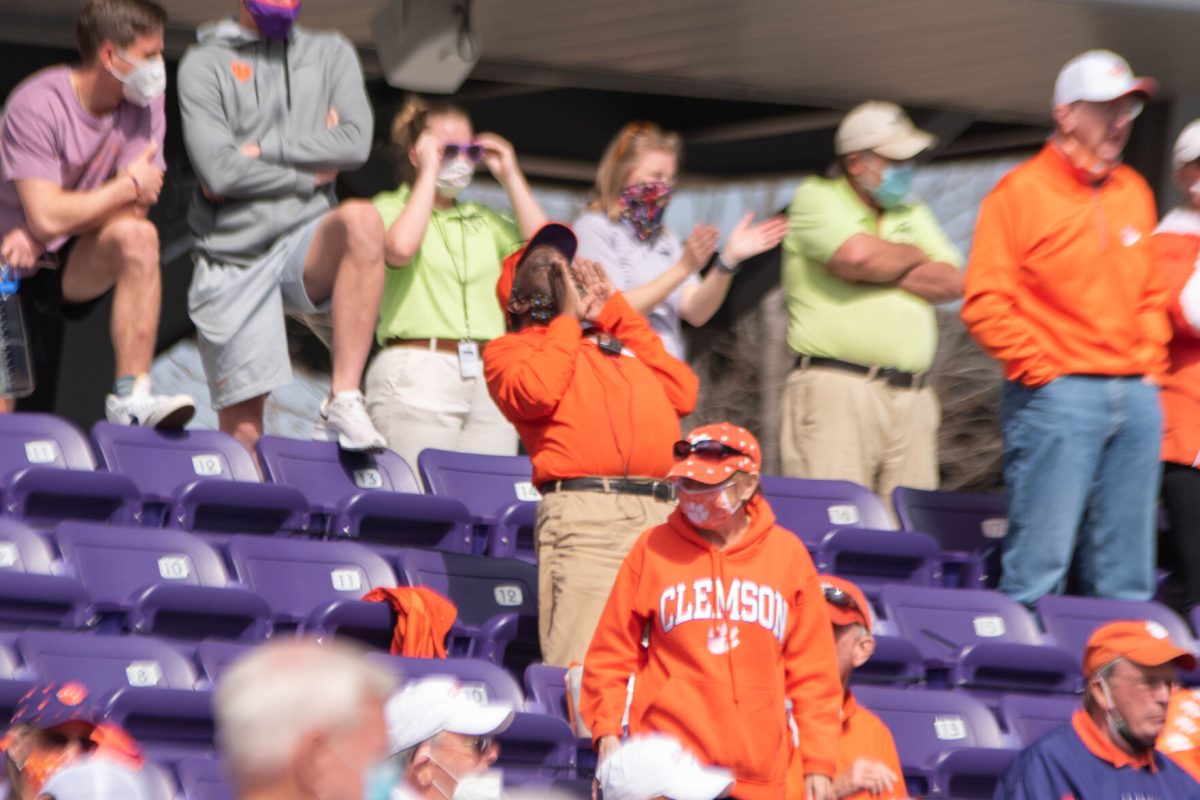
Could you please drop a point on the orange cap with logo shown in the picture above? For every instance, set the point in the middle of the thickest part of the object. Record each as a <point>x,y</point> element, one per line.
<point>712,453</point>
<point>1144,642</point>
<point>846,603</point>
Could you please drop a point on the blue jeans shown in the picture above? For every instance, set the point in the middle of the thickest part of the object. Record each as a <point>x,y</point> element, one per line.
<point>1081,464</point>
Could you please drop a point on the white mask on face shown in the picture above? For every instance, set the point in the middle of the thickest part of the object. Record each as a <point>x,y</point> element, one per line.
<point>486,785</point>
<point>146,82</point>
<point>454,176</point>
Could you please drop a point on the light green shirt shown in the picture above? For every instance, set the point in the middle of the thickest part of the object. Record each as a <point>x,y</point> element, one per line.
<point>425,299</point>
<point>867,324</point>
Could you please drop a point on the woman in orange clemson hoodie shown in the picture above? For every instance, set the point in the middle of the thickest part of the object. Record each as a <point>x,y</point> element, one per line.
<point>737,629</point>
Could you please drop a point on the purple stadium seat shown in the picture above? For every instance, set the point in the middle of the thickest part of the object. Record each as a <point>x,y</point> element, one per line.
<point>372,496</point>
<point>812,508</point>
<point>30,594</point>
<point>496,600</point>
<point>490,486</point>
<point>216,657</point>
<point>546,690</point>
<point>316,586</point>
<point>947,741</point>
<point>167,583</point>
<point>967,525</point>
<point>165,722</point>
<point>1029,717</point>
<point>197,480</point>
<point>48,474</point>
<point>872,558</point>
<point>487,682</point>
<point>203,779</point>
<point>104,663</point>
<point>895,662</point>
<point>989,642</point>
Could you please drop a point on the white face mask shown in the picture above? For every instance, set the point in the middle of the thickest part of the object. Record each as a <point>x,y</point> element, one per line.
<point>146,82</point>
<point>454,176</point>
<point>486,785</point>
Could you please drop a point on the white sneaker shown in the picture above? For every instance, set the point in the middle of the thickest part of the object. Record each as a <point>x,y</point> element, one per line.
<point>344,420</point>
<point>140,407</point>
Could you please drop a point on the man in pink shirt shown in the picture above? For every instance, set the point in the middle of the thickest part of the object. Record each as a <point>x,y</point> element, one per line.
<point>80,166</point>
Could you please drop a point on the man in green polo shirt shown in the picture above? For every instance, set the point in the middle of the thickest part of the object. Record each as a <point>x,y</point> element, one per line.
<point>862,267</point>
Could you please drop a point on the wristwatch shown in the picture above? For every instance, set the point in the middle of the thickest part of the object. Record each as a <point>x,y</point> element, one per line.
<point>720,264</point>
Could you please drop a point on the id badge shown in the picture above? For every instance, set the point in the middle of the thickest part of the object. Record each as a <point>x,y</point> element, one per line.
<point>469,363</point>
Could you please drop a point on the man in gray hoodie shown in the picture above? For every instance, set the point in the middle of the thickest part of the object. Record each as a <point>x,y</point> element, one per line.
<point>271,113</point>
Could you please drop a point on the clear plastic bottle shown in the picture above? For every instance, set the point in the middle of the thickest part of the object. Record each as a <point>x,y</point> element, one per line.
<point>16,366</point>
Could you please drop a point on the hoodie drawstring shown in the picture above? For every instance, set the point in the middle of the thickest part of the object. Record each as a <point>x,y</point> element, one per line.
<point>716,569</point>
<point>287,75</point>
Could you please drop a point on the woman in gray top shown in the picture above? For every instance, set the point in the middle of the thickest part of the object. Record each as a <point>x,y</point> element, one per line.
<point>623,230</point>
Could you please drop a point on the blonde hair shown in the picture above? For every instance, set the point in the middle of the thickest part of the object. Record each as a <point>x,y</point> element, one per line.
<point>630,144</point>
<point>411,121</point>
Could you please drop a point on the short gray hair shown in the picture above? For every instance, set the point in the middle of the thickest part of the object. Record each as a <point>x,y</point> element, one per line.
<point>280,692</point>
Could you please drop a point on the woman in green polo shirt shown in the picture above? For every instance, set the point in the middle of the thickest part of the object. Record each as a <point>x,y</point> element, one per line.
<point>439,308</point>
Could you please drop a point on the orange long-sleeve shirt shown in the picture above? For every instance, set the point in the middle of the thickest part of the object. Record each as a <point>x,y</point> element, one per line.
<point>1061,277</point>
<point>580,411</point>
<point>1177,250</point>
<point>863,736</point>
<point>734,633</point>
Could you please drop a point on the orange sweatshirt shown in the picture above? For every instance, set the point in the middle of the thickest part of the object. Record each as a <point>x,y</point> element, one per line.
<point>1061,277</point>
<point>863,736</point>
<point>734,633</point>
<point>580,411</point>
<point>1176,250</point>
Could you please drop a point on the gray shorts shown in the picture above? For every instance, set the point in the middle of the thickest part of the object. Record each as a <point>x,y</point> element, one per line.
<point>239,315</point>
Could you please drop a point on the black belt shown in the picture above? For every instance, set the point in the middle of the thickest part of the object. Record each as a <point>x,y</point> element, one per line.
<point>890,375</point>
<point>660,490</point>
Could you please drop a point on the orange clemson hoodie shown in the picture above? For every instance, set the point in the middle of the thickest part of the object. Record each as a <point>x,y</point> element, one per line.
<point>734,634</point>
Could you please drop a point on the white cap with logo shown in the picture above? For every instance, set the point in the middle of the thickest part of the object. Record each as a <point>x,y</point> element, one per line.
<point>426,707</point>
<point>1098,76</point>
<point>882,128</point>
<point>1187,146</point>
<point>656,765</point>
<point>95,778</point>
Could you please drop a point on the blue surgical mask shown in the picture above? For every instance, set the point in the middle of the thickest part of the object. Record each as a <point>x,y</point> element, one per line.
<point>380,781</point>
<point>895,183</point>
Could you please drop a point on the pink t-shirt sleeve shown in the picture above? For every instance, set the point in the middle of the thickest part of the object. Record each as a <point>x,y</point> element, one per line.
<point>29,146</point>
<point>141,129</point>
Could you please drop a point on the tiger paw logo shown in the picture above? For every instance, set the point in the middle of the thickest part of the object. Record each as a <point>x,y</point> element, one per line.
<point>72,694</point>
<point>722,639</point>
<point>241,70</point>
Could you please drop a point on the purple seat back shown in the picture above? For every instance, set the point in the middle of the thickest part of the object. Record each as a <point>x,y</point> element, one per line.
<point>927,723</point>
<point>895,662</point>
<point>812,508</point>
<point>1028,717</point>
<point>216,657</point>
<point>480,586</point>
<point>165,721</point>
<point>874,558</point>
<point>115,562</point>
<point>23,550</point>
<point>30,593</point>
<point>203,779</point>
<point>546,686</point>
<point>943,621</point>
<point>105,663</point>
<point>1071,620</point>
<point>537,745</point>
<point>485,484</point>
<point>486,681</point>
<point>327,474</point>
<point>959,521</point>
<point>160,462</point>
<point>297,576</point>
<point>41,440</point>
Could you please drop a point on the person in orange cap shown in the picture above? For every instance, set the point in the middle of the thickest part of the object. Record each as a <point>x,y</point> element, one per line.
<point>1107,750</point>
<point>53,726</point>
<point>737,628</point>
<point>596,400</point>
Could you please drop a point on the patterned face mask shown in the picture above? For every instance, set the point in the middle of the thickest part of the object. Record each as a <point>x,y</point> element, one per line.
<point>642,206</point>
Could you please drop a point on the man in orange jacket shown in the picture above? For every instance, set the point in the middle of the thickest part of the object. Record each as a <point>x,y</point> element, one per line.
<point>1062,288</point>
<point>598,410</point>
<point>736,624</point>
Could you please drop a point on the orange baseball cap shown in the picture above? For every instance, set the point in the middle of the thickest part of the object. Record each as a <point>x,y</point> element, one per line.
<point>712,453</point>
<point>1144,642</point>
<point>846,603</point>
<point>555,234</point>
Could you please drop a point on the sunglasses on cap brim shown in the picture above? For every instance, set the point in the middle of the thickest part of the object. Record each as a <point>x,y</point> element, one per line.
<point>709,448</point>
<point>839,598</point>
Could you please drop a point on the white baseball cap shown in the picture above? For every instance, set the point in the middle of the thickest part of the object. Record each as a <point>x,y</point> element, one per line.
<point>657,765</point>
<point>882,128</point>
<point>1098,76</point>
<point>426,707</point>
<point>1187,146</point>
<point>95,779</point>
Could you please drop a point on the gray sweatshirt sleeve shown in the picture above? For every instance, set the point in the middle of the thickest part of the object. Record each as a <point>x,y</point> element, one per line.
<point>345,146</point>
<point>215,156</point>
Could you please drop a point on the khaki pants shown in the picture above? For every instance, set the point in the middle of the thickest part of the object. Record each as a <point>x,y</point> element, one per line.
<point>838,425</point>
<point>417,399</point>
<point>582,539</point>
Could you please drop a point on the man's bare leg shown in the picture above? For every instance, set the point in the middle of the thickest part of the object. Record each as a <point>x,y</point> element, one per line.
<point>244,421</point>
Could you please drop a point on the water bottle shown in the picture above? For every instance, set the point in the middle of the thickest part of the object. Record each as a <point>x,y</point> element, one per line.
<point>16,366</point>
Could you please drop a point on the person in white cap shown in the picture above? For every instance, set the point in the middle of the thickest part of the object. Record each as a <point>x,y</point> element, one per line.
<point>657,766</point>
<point>95,779</point>
<point>1176,244</point>
<point>442,741</point>
<point>1062,289</point>
<point>863,264</point>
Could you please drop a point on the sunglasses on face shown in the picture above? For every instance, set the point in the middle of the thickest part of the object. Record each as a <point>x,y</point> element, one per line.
<point>839,599</point>
<point>708,448</point>
<point>471,151</point>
